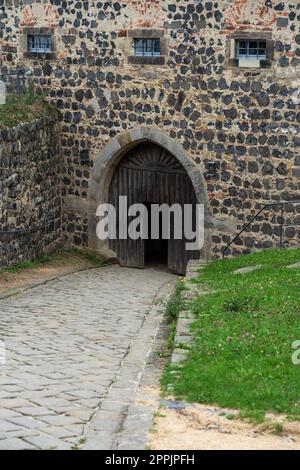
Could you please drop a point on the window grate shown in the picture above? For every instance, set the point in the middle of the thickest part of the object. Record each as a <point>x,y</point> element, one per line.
<point>40,44</point>
<point>248,49</point>
<point>147,47</point>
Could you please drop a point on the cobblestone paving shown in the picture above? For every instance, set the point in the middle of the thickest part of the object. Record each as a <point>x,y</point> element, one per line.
<point>74,350</point>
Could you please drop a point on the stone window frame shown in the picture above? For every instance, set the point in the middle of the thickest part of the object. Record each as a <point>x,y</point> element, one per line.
<point>45,31</point>
<point>233,61</point>
<point>148,34</point>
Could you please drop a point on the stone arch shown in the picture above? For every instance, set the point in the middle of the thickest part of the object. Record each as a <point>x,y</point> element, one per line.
<point>108,161</point>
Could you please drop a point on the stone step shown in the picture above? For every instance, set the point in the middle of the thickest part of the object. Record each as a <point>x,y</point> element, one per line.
<point>294,266</point>
<point>247,269</point>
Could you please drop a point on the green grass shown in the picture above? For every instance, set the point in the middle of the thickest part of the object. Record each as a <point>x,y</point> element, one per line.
<point>96,260</point>
<point>28,264</point>
<point>25,107</point>
<point>60,257</point>
<point>244,332</point>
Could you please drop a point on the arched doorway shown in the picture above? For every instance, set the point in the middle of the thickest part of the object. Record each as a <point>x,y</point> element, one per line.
<point>149,174</point>
<point>107,163</point>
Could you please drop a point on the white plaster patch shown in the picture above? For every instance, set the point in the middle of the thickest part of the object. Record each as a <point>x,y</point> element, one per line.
<point>2,93</point>
<point>107,95</point>
<point>249,63</point>
<point>296,92</point>
<point>95,105</point>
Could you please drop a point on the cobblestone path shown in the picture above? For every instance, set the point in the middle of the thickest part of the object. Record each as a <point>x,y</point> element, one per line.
<point>75,349</point>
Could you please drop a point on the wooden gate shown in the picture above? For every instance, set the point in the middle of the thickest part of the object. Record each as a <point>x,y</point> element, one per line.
<point>150,174</point>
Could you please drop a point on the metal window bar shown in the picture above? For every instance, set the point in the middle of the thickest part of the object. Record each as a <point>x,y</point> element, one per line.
<point>282,206</point>
<point>39,44</point>
<point>147,47</point>
<point>251,49</point>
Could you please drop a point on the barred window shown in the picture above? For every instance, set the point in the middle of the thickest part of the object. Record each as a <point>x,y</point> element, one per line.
<point>248,49</point>
<point>40,44</point>
<point>147,47</point>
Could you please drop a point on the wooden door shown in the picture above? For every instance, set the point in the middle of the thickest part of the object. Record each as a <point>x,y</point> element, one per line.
<point>149,173</point>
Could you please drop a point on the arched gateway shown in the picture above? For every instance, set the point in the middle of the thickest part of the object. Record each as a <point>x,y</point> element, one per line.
<point>149,168</point>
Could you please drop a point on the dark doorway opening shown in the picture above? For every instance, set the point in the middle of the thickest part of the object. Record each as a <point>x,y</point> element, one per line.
<point>156,251</point>
<point>150,173</point>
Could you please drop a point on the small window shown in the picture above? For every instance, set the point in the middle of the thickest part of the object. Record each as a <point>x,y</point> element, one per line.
<point>246,49</point>
<point>39,44</point>
<point>147,47</point>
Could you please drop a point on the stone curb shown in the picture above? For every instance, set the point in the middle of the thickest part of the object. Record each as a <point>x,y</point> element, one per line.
<point>183,337</point>
<point>146,403</point>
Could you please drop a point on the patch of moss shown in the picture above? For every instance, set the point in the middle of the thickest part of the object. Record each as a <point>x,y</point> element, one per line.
<point>23,108</point>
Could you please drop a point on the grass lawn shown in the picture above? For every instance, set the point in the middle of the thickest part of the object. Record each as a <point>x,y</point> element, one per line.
<point>243,336</point>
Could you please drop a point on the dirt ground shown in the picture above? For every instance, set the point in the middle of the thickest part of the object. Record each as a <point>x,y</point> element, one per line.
<point>200,427</point>
<point>61,264</point>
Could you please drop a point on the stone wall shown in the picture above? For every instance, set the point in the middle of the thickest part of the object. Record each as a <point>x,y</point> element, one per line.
<point>245,120</point>
<point>30,201</point>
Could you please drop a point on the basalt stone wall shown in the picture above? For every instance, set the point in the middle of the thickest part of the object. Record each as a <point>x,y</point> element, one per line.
<point>245,120</point>
<point>30,202</point>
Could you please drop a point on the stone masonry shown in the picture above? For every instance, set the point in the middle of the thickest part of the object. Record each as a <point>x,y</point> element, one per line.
<point>30,202</point>
<point>245,120</point>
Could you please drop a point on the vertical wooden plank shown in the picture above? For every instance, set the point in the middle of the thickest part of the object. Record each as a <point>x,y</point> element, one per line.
<point>150,174</point>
